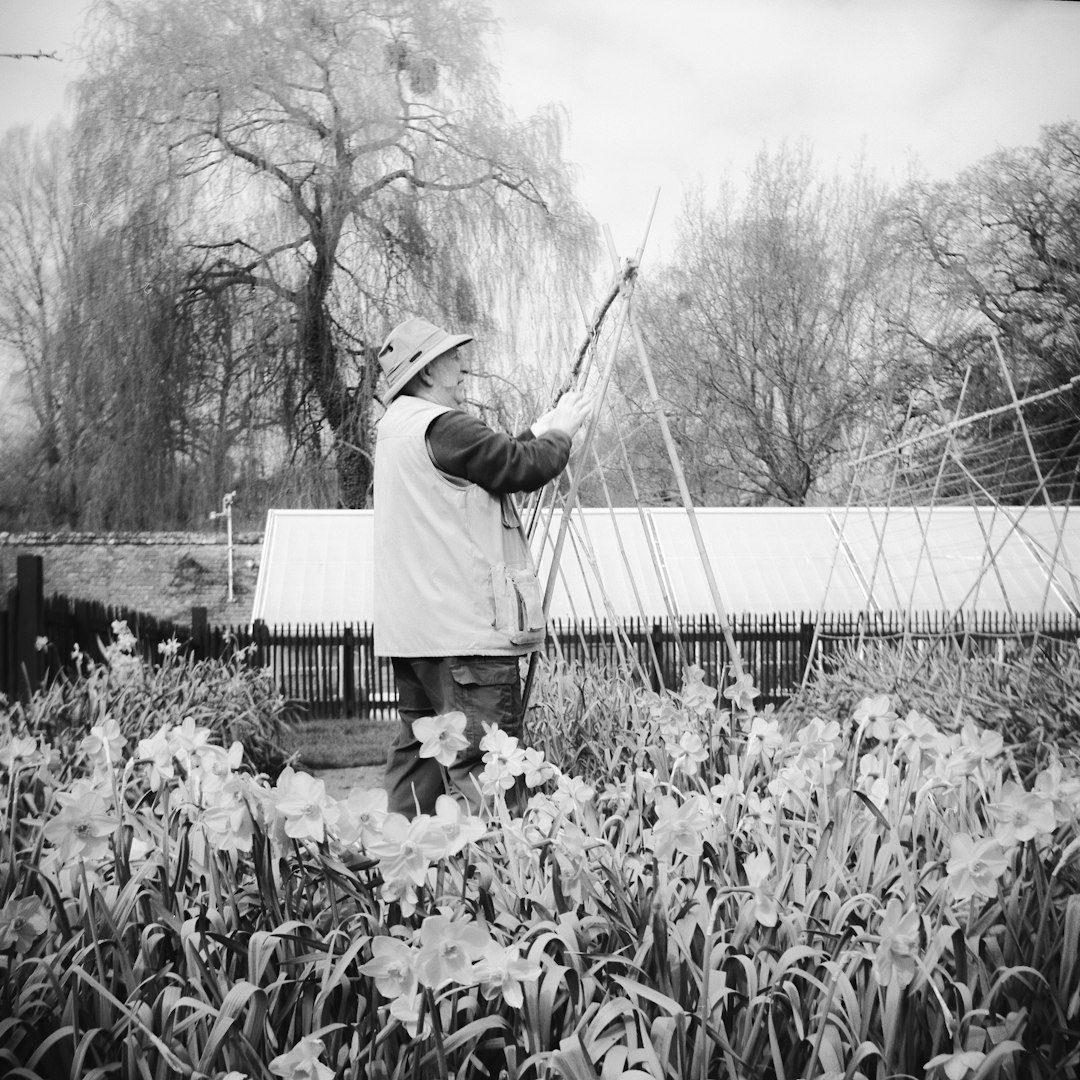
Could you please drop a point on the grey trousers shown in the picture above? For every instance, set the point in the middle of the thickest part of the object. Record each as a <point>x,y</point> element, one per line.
<point>487,689</point>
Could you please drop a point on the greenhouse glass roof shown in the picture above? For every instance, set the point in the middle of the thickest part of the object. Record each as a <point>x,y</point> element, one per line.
<point>318,566</point>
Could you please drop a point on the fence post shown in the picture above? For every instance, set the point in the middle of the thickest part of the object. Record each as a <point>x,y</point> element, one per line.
<point>806,642</point>
<point>661,677</point>
<point>260,636</point>
<point>348,688</point>
<point>8,681</point>
<point>200,633</point>
<point>29,620</point>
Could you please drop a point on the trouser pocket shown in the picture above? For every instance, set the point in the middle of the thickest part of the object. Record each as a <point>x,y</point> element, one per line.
<point>487,689</point>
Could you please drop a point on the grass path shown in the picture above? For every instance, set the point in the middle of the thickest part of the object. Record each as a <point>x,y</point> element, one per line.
<point>335,743</point>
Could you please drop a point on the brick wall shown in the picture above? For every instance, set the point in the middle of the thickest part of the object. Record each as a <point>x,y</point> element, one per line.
<point>162,574</point>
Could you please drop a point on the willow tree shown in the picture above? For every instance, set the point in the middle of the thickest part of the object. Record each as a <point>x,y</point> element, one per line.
<point>35,238</point>
<point>354,158</point>
<point>132,403</point>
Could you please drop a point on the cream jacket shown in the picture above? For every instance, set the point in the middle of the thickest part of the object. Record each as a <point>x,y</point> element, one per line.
<point>453,573</point>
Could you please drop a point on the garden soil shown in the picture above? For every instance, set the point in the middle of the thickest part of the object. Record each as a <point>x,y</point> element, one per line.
<point>339,782</point>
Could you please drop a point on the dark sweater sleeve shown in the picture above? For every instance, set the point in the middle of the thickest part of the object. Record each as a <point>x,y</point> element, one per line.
<point>463,445</point>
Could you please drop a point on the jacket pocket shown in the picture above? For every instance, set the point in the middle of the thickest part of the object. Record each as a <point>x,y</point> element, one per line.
<point>519,607</point>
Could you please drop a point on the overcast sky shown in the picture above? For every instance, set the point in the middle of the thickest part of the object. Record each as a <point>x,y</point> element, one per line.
<point>664,92</point>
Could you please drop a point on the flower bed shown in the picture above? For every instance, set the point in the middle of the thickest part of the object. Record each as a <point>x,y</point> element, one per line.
<point>866,896</point>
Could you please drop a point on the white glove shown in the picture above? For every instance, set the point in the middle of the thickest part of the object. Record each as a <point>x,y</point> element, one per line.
<point>573,409</point>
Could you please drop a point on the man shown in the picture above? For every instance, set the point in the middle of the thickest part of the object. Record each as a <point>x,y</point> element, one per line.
<point>456,597</point>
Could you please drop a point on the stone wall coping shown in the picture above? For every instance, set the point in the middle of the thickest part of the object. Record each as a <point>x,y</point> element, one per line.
<point>114,539</point>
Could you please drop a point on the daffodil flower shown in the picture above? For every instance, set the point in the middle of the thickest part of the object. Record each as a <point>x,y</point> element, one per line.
<point>688,755</point>
<point>84,825</point>
<point>1021,815</point>
<point>678,828</point>
<point>975,866</point>
<point>216,764</point>
<point>503,970</point>
<point>729,786</point>
<point>919,736</point>
<point>392,966</point>
<point>157,751</point>
<point>874,716</point>
<point>361,816</point>
<point>764,906</point>
<point>959,1065</point>
<point>761,809</point>
<point>985,745</point>
<point>441,737</point>
<point>302,1062</point>
<point>406,849</point>
<point>764,738</point>
<point>695,695</point>
<point>188,740</point>
<point>227,822</point>
<point>1062,791</point>
<point>538,770</point>
<point>458,825</point>
<point>301,800</point>
<point>22,922</point>
<point>104,746</point>
<point>169,648</point>
<point>402,892</point>
<point>896,956</point>
<point>504,761</point>
<point>406,1009</point>
<point>448,948</point>
<point>19,751</point>
<point>741,692</point>
<point>792,786</point>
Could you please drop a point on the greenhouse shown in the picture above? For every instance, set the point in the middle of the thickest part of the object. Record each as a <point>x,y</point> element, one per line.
<point>317,566</point>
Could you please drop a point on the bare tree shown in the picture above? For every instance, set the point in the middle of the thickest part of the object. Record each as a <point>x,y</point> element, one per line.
<point>765,330</point>
<point>353,157</point>
<point>1000,247</point>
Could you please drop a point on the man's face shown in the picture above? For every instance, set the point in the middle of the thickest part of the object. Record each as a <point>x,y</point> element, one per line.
<point>448,378</point>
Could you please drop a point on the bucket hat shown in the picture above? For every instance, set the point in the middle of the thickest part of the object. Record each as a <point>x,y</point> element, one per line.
<point>409,348</point>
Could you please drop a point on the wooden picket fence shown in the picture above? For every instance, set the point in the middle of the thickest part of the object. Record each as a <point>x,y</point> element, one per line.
<point>333,671</point>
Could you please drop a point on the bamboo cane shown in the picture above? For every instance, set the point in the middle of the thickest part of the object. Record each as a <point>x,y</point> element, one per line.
<point>1014,526</point>
<point>820,614</point>
<point>622,278</point>
<point>1031,399</point>
<point>622,289</point>
<point>625,561</point>
<point>585,553</point>
<point>688,504</point>
<point>924,549</point>
<point>871,602</point>
<point>571,499</point>
<point>687,501</point>
<point>624,555</point>
<point>1031,449</point>
<point>670,605</point>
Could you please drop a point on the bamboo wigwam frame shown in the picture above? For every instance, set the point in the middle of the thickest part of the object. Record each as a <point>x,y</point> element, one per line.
<point>541,511</point>
<point>622,291</point>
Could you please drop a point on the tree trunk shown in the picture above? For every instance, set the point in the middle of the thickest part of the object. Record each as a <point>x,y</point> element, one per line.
<point>346,411</point>
<point>354,475</point>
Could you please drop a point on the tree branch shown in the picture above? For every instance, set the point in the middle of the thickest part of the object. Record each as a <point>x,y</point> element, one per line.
<point>39,55</point>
